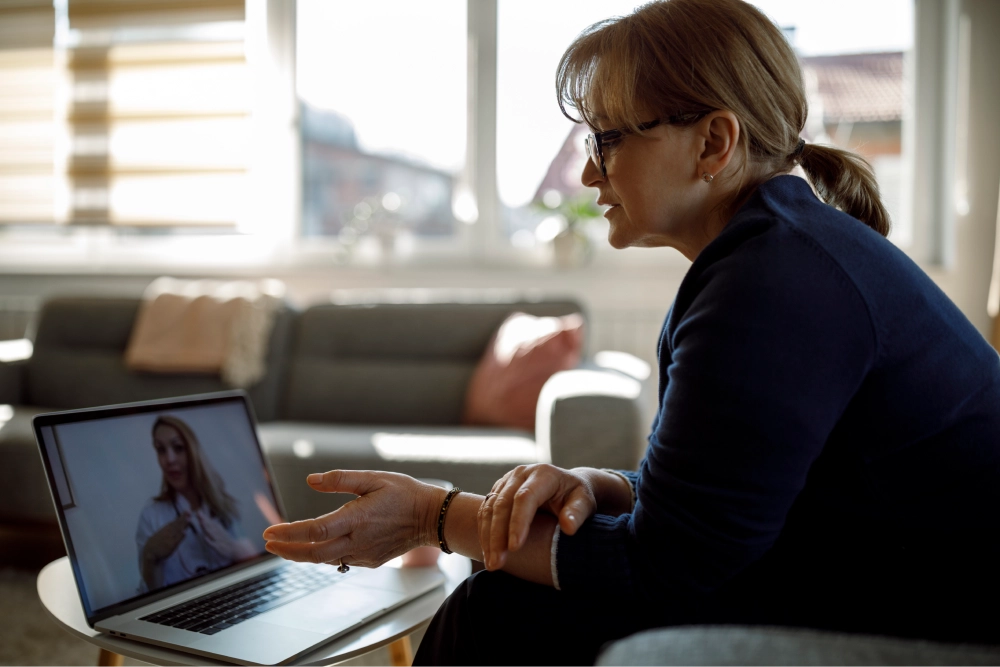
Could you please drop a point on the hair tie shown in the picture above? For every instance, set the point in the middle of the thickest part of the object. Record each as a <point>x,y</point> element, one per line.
<point>798,148</point>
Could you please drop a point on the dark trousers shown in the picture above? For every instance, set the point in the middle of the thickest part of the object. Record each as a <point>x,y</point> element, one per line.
<point>493,618</point>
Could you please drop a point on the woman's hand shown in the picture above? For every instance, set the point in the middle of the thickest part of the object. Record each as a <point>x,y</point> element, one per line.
<point>219,538</point>
<point>392,514</point>
<point>163,542</point>
<point>508,511</point>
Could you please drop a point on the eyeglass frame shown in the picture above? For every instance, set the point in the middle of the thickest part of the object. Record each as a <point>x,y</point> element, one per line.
<point>594,141</point>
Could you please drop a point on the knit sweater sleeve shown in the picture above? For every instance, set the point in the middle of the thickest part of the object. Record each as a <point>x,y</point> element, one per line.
<point>765,346</point>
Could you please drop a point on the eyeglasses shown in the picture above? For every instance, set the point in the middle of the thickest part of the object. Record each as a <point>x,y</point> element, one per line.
<point>596,141</point>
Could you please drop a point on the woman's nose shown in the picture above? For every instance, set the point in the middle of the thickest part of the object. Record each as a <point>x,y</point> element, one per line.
<point>591,176</point>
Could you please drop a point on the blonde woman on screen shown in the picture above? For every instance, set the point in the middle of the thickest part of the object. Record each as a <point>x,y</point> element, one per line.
<point>192,526</point>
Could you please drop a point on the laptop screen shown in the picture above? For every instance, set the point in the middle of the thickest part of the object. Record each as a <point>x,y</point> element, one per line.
<point>158,497</point>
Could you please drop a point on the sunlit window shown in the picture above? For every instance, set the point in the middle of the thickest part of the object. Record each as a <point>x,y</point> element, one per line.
<point>539,151</point>
<point>382,86</point>
<point>852,61</point>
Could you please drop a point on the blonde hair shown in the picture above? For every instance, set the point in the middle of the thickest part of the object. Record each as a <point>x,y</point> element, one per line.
<point>674,57</point>
<point>203,476</point>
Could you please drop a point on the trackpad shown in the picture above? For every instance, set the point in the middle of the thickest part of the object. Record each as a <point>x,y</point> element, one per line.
<point>333,609</point>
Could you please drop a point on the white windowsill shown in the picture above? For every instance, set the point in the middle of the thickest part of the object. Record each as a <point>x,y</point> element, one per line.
<point>228,255</point>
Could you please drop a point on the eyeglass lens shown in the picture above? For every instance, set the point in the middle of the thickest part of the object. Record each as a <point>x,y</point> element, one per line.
<point>591,146</point>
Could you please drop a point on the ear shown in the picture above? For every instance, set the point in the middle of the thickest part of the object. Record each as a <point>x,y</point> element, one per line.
<point>719,133</point>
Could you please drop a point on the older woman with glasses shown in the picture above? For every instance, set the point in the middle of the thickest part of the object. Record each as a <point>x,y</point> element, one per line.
<point>827,447</point>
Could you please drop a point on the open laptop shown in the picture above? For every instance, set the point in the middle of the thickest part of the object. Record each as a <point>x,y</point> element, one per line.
<point>162,505</point>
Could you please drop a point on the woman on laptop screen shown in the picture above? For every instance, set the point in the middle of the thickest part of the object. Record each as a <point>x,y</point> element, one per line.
<point>192,526</point>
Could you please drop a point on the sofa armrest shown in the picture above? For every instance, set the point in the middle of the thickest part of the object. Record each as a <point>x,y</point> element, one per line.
<point>590,417</point>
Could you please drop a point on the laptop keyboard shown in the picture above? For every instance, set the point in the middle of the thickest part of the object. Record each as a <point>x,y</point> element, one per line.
<point>234,604</point>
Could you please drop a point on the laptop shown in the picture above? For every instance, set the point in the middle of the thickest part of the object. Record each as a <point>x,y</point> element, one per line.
<point>162,505</point>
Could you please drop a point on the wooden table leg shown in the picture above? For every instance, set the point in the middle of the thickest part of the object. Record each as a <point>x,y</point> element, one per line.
<point>109,659</point>
<point>400,652</point>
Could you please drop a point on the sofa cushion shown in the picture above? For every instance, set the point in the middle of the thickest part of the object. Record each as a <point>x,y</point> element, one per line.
<point>392,363</point>
<point>471,458</point>
<point>524,353</point>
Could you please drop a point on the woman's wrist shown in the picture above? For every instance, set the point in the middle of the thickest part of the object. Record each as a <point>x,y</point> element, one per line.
<point>612,491</point>
<point>431,514</point>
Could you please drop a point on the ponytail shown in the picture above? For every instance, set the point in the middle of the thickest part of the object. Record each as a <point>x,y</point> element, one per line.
<point>846,180</point>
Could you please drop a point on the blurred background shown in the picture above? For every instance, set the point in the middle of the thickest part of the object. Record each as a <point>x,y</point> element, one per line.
<point>392,145</point>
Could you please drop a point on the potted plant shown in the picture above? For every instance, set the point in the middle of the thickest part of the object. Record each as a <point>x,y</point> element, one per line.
<point>571,245</point>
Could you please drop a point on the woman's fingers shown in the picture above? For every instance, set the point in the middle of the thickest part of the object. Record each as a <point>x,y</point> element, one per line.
<point>578,507</point>
<point>321,552</point>
<point>524,502</point>
<point>484,523</point>
<point>358,482</point>
<point>320,529</point>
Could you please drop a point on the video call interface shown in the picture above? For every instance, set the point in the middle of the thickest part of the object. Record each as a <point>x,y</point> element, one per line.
<point>155,499</point>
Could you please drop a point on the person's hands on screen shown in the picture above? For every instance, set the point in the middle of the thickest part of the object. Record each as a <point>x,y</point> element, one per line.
<point>508,511</point>
<point>219,538</point>
<point>392,514</point>
<point>163,542</point>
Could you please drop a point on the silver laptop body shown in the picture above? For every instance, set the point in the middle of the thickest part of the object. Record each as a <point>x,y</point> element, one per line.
<point>114,475</point>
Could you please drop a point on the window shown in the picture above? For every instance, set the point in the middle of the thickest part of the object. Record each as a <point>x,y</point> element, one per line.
<point>382,87</point>
<point>382,132</point>
<point>432,124</point>
<point>539,151</point>
<point>853,65</point>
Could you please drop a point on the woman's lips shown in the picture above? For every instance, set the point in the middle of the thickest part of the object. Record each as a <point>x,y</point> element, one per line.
<point>611,208</point>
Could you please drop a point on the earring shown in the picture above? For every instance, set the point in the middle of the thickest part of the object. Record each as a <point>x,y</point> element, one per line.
<point>708,178</point>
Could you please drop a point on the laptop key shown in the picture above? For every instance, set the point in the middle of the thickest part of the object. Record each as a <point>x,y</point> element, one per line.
<point>201,625</point>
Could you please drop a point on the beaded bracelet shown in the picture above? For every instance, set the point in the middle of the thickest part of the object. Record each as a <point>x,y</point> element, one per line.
<point>444,509</point>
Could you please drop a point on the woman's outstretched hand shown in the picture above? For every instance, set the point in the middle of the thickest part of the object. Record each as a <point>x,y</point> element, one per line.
<point>508,511</point>
<point>236,549</point>
<point>392,514</point>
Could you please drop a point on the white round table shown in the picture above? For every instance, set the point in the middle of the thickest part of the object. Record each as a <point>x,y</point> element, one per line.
<point>59,596</point>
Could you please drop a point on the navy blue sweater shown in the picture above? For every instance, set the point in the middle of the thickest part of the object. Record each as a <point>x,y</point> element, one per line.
<point>827,447</point>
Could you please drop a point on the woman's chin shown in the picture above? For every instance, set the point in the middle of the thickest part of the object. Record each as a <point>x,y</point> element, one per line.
<point>617,239</point>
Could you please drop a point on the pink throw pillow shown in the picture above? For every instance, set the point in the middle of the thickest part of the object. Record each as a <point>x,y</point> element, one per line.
<point>524,353</point>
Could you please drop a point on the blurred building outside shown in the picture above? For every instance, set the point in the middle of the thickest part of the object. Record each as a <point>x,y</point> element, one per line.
<point>348,193</point>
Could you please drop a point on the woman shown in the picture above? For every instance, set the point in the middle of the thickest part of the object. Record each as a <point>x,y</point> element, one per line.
<point>192,527</point>
<point>826,448</point>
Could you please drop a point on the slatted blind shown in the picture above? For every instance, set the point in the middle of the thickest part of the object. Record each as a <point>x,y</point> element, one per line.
<point>151,115</point>
<point>27,105</point>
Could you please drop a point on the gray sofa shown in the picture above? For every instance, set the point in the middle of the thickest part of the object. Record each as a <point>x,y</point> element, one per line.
<point>735,645</point>
<point>369,386</point>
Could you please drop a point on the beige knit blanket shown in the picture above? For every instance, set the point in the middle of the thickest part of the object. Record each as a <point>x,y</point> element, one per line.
<point>205,326</point>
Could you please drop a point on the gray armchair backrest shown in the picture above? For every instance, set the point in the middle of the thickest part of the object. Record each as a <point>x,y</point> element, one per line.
<point>79,359</point>
<point>392,363</point>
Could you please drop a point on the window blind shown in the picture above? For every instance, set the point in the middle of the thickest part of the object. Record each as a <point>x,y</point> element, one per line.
<point>151,115</point>
<point>27,99</point>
